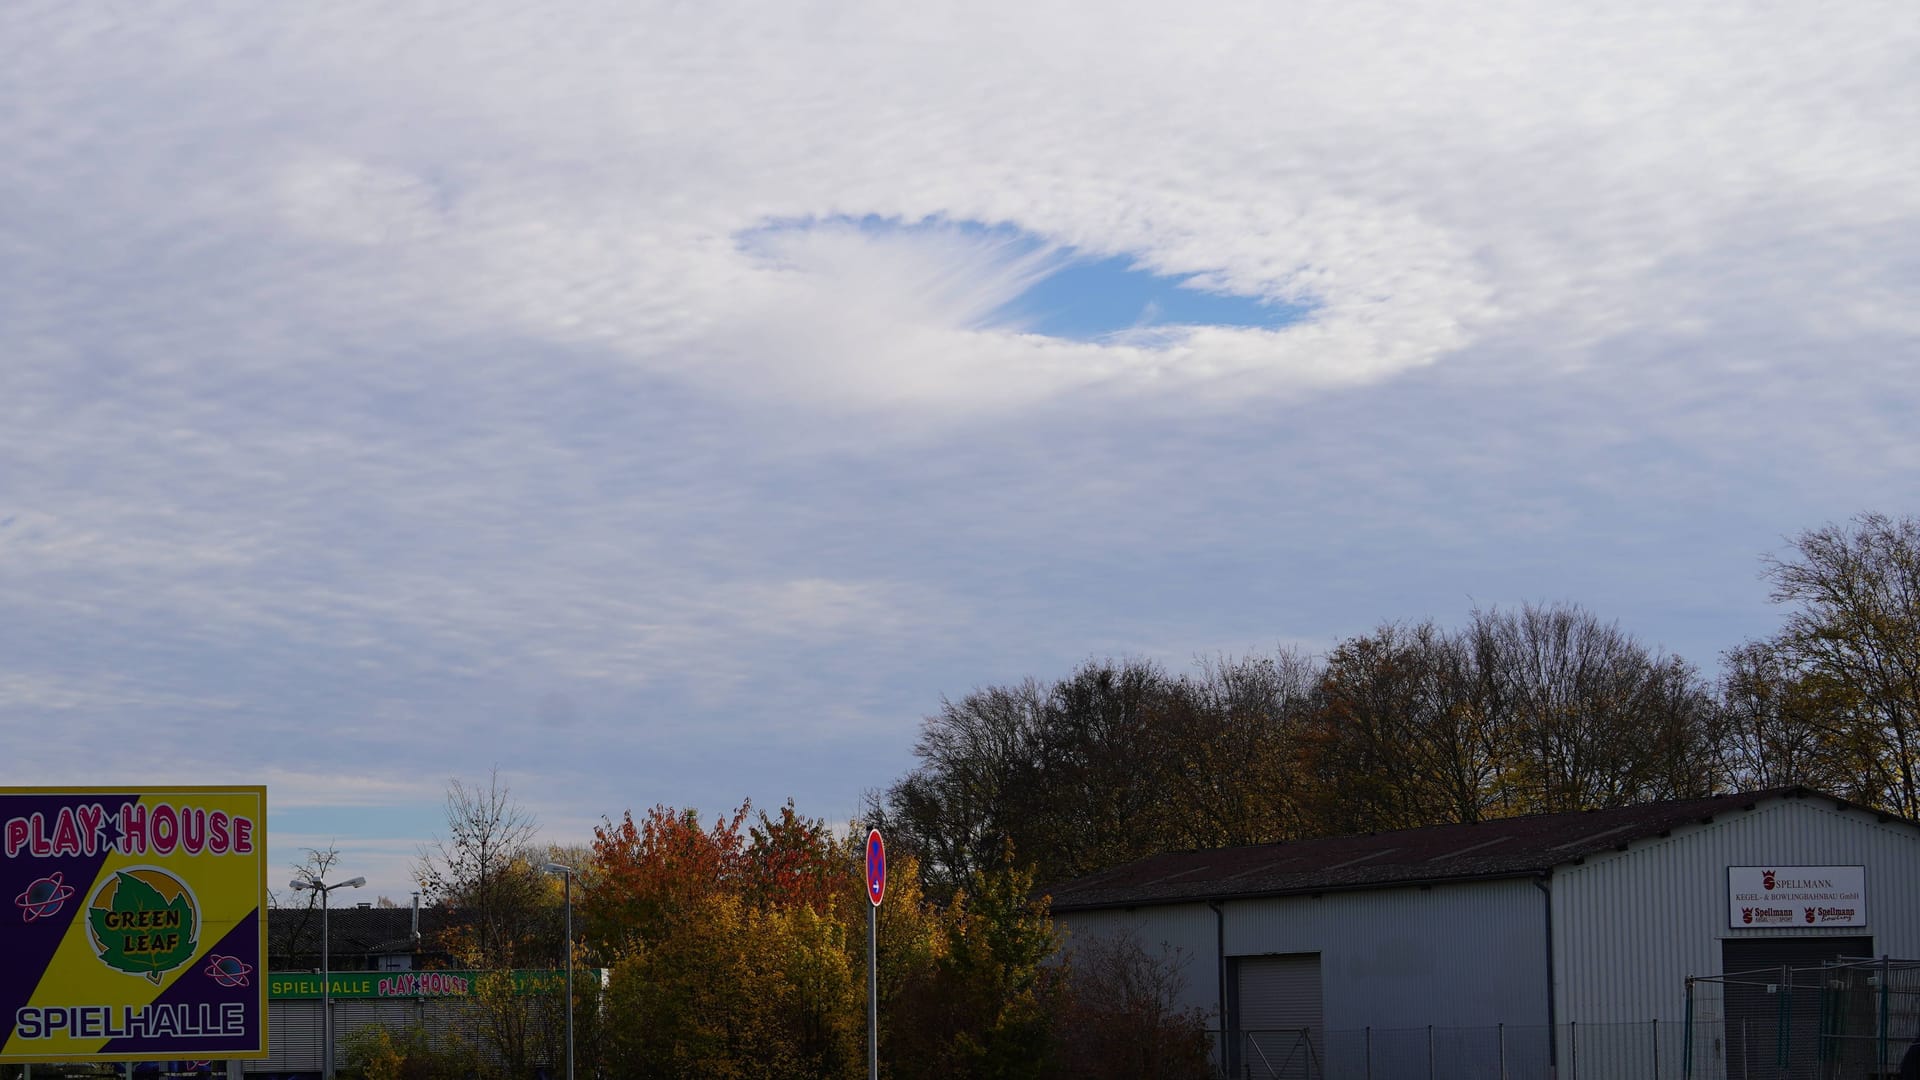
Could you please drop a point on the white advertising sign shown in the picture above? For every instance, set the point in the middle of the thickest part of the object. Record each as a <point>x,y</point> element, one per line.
<point>1777,896</point>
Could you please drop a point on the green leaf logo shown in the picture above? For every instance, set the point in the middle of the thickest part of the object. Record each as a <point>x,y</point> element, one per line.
<point>144,922</point>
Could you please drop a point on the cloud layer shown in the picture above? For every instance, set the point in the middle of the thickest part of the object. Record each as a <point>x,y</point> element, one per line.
<point>387,391</point>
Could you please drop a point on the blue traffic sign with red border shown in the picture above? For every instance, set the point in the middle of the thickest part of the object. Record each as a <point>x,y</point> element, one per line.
<point>876,867</point>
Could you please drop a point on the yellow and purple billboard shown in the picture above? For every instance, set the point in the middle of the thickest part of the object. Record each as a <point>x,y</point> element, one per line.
<point>136,929</point>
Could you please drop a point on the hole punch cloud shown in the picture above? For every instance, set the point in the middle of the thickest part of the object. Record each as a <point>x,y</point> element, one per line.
<point>963,316</point>
<point>1002,278</point>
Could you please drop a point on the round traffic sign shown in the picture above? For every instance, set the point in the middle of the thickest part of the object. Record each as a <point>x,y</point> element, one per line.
<point>876,867</point>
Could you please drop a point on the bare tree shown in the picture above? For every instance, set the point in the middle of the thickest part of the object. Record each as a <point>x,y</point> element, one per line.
<point>1400,738</point>
<point>1542,709</point>
<point>303,940</point>
<point>483,871</point>
<point>1115,761</point>
<point>502,910</point>
<point>1231,749</point>
<point>977,783</point>
<point>1545,708</point>
<point>1853,641</point>
<point>1104,759</point>
<point>1588,716</point>
<point>1782,729</point>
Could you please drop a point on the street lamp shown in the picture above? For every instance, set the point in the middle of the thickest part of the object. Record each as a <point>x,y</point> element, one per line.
<point>326,978</point>
<point>566,872</point>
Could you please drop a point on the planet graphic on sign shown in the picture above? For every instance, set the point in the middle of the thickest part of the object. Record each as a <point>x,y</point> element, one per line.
<point>44,897</point>
<point>227,970</point>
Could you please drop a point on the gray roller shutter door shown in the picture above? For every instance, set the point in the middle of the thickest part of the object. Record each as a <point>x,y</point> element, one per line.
<point>293,1037</point>
<point>293,1030</point>
<point>354,1014</point>
<point>1279,1016</point>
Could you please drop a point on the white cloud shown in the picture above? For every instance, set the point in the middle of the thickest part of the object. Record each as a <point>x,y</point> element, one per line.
<point>24,695</point>
<point>355,202</point>
<point>307,788</point>
<point>1424,178</point>
<point>379,373</point>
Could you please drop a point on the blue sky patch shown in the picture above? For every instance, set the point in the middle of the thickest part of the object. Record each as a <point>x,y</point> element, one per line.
<point>1091,298</point>
<point>1072,294</point>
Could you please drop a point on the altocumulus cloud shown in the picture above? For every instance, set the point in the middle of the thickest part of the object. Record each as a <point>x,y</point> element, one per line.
<point>413,364</point>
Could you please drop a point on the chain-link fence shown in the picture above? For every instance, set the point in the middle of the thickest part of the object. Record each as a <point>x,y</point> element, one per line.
<point>1848,1020</point>
<point>1645,1050</point>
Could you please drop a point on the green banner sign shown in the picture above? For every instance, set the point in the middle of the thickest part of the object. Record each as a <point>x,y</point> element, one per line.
<point>416,984</point>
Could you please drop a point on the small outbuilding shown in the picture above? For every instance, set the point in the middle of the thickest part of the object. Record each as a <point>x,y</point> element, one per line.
<point>1550,945</point>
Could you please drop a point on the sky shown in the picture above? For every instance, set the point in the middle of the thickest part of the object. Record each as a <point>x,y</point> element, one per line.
<point>662,403</point>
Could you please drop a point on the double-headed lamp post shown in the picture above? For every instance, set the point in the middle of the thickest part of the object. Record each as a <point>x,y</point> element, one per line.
<point>566,872</point>
<point>326,956</point>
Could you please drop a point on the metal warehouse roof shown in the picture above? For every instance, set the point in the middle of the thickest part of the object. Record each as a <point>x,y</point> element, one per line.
<point>1502,848</point>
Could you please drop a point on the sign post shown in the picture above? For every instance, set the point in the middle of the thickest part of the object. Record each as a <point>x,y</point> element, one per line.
<point>876,892</point>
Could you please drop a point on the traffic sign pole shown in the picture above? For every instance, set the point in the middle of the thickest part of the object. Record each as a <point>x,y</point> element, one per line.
<point>876,891</point>
<point>873,992</point>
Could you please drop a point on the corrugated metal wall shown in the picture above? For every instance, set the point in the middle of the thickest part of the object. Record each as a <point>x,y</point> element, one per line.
<point>1467,955</point>
<point>293,1029</point>
<point>1187,930</point>
<point>1402,957</point>
<point>1629,927</point>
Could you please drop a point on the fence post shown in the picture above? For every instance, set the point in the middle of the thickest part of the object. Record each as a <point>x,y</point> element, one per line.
<point>1656,1048</point>
<point>1886,971</point>
<point>1686,1037</point>
<point>1783,1027</point>
<point>1501,1031</point>
<point>1573,1045</point>
<point>1429,1052</point>
<point>1369,1052</point>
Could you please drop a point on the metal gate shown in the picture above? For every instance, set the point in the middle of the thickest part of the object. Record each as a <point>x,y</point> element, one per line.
<point>1839,1020</point>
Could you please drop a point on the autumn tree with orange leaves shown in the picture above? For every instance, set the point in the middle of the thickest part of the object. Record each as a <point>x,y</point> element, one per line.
<point>729,945</point>
<point>737,948</point>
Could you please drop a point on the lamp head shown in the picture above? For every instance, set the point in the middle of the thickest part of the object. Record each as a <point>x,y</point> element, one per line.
<point>300,886</point>
<point>557,868</point>
<point>351,883</point>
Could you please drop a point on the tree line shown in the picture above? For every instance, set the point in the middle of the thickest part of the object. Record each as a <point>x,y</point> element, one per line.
<point>1540,709</point>
<point>735,946</point>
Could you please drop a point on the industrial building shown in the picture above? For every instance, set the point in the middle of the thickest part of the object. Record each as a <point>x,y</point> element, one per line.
<point>385,968</point>
<point>1548,946</point>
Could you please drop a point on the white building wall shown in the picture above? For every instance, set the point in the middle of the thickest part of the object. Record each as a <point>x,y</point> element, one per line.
<point>1465,955</point>
<point>1186,932</point>
<point>1629,927</point>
